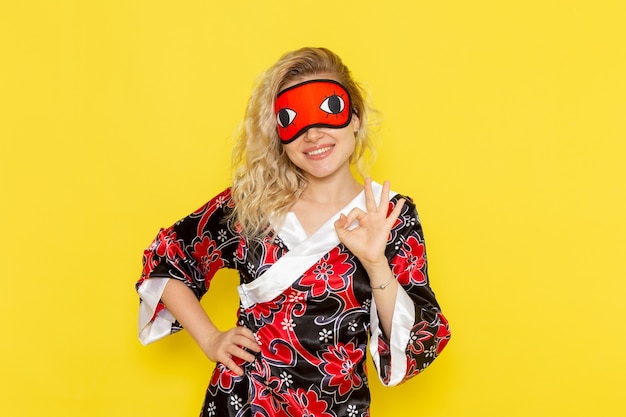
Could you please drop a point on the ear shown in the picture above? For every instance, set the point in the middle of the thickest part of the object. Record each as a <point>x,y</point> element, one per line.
<point>356,122</point>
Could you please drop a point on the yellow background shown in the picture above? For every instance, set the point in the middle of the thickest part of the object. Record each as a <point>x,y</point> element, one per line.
<point>503,120</point>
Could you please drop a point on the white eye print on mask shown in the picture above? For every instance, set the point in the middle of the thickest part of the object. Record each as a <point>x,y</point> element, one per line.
<point>333,104</point>
<point>285,117</point>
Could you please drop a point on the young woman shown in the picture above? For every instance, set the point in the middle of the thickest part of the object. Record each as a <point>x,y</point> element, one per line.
<point>324,262</point>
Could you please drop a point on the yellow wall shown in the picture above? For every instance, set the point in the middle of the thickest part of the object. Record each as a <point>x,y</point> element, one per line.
<point>504,120</point>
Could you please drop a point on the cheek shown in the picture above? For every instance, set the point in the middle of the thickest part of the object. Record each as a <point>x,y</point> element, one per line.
<point>290,151</point>
<point>350,138</point>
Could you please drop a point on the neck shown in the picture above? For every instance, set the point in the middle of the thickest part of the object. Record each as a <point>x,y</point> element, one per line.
<point>331,190</point>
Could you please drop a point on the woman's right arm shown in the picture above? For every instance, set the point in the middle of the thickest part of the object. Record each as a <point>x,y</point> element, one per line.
<point>218,346</point>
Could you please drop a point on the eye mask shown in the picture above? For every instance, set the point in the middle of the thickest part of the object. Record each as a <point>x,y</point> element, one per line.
<point>313,103</point>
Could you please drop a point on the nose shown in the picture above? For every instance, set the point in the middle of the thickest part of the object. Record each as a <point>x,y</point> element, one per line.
<point>313,134</point>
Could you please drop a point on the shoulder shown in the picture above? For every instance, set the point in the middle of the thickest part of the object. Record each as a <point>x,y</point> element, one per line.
<point>220,202</point>
<point>408,219</point>
<point>212,212</point>
<point>409,203</point>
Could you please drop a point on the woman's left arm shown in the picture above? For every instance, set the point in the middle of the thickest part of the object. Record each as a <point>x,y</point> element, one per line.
<point>367,241</point>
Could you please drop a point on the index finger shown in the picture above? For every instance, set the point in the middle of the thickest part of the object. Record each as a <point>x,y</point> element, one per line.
<point>384,197</point>
<point>246,338</point>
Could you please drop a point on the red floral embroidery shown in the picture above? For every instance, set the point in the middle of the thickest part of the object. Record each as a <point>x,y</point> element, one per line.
<point>419,334</point>
<point>149,262</point>
<point>443,333</point>
<point>409,261</point>
<point>267,388</point>
<point>307,404</point>
<point>341,367</point>
<point>224,378</point>
<point>412,368</point>
<point>330,273</point>
<point>272,250</point>
<point>265,311</point>
<point>208,256</point>
<point>166,245</point>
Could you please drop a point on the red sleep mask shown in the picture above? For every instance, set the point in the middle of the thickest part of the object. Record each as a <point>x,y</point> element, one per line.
<point>313,103</point>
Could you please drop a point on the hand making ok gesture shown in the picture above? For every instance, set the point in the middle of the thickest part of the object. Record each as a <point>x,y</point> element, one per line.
<point>368,239</point>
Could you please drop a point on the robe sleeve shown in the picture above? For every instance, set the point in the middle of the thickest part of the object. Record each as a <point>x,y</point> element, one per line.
<point>191,251</point>
<point>419,330</point>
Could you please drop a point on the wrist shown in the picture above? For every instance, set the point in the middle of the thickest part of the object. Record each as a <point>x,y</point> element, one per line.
<point>377,267</point>
<point>384,284</point>
<point>380,276</point>
<point>206,341</point>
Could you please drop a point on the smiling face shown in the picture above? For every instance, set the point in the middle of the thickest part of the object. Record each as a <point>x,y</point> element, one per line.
<point>322,141</point>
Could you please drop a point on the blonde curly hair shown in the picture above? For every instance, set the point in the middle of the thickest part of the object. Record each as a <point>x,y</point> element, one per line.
<point>265,182</point>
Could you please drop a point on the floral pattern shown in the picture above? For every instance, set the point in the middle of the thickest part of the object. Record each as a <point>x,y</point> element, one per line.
<point>340,368</point>
<point>313,336</point>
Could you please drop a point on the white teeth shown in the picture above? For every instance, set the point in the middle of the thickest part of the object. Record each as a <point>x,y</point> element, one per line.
<point>319,151</point>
